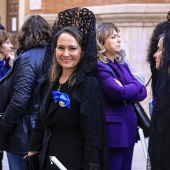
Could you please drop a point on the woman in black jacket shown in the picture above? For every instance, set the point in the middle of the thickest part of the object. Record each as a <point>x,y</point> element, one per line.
<point>70,125</point>
<point>19,89</point>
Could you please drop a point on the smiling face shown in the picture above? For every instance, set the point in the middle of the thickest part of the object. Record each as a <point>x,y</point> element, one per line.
<point>158,55</point>
<point>68,52</point>
<point>112,45</point>
<point>6,48</point>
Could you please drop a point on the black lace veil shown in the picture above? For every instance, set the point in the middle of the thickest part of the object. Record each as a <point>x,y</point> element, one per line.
<point>159,29</point>
<point>85,21</point>
<point>164,71</point>
<point>159,142</point>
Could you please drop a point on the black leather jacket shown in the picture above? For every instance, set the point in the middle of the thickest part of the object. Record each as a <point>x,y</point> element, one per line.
<point>19,99</point>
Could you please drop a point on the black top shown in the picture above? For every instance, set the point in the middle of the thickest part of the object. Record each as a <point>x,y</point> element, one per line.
<point>66,142</point>
<point>76,136</point>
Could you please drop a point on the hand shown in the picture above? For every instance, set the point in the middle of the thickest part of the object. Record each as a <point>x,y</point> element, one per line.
<point>30,153</point>
<point>11,57</point>
<point>118,82</point>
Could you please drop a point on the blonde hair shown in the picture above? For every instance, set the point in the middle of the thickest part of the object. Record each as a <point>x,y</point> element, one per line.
<point>103,31</point>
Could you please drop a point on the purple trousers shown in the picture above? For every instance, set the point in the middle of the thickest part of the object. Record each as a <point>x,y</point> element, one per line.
<point>121,158</point>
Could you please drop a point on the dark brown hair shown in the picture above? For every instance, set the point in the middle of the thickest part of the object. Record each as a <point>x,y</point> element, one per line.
<point>34,32</point>
<point>78,35</point>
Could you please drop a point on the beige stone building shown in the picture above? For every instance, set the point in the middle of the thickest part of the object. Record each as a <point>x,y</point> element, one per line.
<point>136,20</point>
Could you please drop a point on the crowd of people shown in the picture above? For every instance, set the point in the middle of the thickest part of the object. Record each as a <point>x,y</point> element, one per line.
<point>69,91</point>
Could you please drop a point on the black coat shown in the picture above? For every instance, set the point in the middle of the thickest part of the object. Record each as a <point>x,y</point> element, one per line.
<point>76,135</point>
<point>20,98</point>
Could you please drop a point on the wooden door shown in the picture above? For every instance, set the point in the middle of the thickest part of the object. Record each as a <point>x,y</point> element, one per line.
<point>12,20</point>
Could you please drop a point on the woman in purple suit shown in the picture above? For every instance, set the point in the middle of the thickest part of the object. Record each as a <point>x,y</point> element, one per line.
<point>120,89</point>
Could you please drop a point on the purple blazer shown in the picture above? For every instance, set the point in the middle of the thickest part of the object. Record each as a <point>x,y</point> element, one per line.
<point>118,101</point>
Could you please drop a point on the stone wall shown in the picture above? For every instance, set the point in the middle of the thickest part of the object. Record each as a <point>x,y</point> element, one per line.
<point>53,6</point>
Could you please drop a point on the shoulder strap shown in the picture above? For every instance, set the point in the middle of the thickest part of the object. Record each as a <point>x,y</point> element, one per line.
<point>148,81</point>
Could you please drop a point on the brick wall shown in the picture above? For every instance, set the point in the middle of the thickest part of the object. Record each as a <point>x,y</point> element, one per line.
<point>55,6</point>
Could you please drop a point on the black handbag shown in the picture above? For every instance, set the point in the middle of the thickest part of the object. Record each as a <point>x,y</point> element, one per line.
<point>143,119</point>
<point>31,162</point>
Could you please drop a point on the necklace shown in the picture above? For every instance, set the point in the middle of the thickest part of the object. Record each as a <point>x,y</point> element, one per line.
<point>61,103</point>
<point>59,87</point>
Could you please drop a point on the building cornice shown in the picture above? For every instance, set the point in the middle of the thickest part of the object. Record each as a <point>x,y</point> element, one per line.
<point>123,15</point>
<point>131,14</point>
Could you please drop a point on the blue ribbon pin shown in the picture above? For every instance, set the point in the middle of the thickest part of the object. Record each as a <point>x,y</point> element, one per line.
<point>63,97</point>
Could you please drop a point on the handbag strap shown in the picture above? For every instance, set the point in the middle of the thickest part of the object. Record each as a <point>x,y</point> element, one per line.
<point>148,81</point>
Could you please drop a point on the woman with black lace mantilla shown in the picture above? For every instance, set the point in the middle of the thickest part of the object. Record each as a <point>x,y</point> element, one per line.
<point>152,48</point>
<point>70,125</point>
<point>159,142</point>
